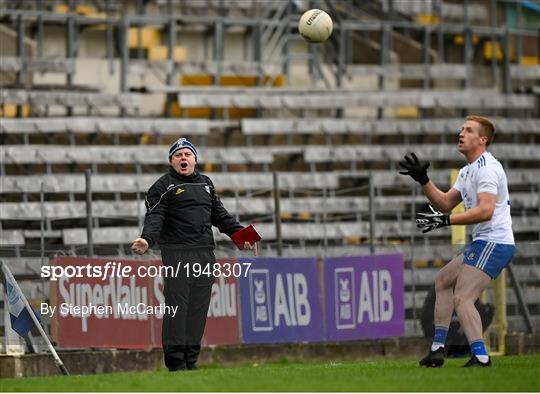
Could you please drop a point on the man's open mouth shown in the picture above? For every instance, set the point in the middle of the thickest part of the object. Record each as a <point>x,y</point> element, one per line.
<point>183,165</point>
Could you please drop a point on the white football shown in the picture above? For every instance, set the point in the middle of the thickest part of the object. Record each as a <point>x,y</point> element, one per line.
<point>315,25</point>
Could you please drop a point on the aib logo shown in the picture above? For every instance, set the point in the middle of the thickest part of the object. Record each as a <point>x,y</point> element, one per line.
<point>344,291</point>
<point>260,296</point>
<point>278,300</point>
<point>261,313</point>
<point>344,298</point>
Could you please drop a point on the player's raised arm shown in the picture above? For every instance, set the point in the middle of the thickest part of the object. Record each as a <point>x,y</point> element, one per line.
<point>443,201</point>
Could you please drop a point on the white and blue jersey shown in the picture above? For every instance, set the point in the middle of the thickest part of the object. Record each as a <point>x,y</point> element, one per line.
<point>492,246</point>
<point>486,175</point>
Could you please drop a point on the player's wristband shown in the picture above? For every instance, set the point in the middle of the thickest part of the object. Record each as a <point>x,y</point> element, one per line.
<point>423,180</point>
<point>447,219</point>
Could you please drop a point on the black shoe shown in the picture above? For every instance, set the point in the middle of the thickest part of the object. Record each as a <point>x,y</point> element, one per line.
<point>192,367</point>
<point>474,362</point>
<point>433,359</point>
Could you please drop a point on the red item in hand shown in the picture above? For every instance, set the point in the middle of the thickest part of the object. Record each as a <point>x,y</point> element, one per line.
<point>247,234</point>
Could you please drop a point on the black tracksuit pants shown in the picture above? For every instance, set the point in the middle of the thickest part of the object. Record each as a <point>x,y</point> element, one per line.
<point>182,334</point>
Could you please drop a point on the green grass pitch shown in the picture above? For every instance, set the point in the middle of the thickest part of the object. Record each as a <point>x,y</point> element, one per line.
<point>510,373</point>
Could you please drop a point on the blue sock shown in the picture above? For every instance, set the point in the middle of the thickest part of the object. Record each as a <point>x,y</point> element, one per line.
<point>478,348</point>
<point>439,339</point>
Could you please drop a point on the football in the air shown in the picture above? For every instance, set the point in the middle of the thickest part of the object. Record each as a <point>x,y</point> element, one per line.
<point>315,25</point>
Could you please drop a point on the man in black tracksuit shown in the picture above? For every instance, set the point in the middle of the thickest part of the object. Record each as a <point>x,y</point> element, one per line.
<point>182,206</point>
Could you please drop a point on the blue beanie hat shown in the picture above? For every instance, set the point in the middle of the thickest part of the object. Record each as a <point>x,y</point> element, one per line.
<point>181,144</point>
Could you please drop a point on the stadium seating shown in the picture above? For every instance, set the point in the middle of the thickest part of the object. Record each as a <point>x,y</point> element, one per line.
<point>311,99</point>
<point>237,206</point>
<point>21,154</point>
<point>89,100</point>
<point>411,71</point>
<point>141,67</point>
<point>12,238</point>
<point>373,153</point>
<point>524,72</point>
<point>41,65</point>
<point>110,125</point>
<point>103,183</point>
<point>270,126</point>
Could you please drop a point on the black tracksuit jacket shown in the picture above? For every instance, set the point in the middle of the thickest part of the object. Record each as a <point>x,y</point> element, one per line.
<point>181,210</point>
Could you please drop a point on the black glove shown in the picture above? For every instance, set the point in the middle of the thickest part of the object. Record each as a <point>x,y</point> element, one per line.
<point>415,169</point>
<point>431,221</point>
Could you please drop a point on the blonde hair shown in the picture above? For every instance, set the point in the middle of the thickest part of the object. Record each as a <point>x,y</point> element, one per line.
<point>487,128</point>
